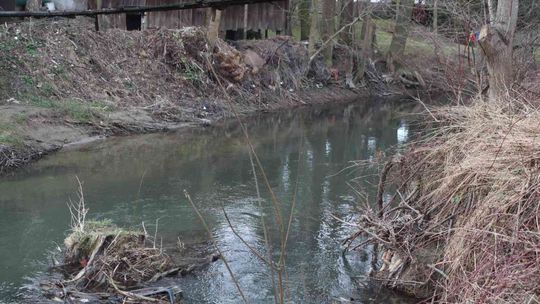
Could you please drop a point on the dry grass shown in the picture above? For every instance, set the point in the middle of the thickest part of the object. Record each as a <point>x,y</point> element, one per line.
<point>469,194</point>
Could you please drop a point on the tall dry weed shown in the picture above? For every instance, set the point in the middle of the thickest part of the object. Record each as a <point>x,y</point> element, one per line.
<point>469,193</point>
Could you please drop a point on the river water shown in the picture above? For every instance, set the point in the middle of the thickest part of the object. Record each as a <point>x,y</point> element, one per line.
<point>138,179</point>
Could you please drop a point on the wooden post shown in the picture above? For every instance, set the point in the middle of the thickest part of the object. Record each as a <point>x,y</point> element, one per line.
<point>244,34</point>
<point>213,27</point>
<point>99,5</point>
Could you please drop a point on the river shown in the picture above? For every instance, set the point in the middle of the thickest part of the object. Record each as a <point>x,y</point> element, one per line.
<point>137,179</point>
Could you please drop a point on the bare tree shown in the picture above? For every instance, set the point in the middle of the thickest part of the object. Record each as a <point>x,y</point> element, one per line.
<point>213,27</point>
<point>346,17</point>
<point>367,36</point>
<point>328,28</point>
<point>401,32</point>
<point>313,33</point>
<point>435,16</point>
<point>491,9</point>
<point>496,40</point>
<point>303,16</point>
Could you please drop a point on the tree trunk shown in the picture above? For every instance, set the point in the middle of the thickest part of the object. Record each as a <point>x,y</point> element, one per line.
<point>33,5</point>
<point>347,37</point>
<point>328,28</point>
<point>491,10</point>
<point>435,16</point>
<point>313,33</point>
<point>397,5</point>
<point>347,16</point>
<point>367,38</point>
<point>496,40</point>
<point>401,32</point>
<point>289,4</point>
<point>213,27</point>
<point>303,15</point>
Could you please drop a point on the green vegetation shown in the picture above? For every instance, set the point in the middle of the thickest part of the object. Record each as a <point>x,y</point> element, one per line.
<point>20,118</point>
<point>9,139</point>
<point>27,79</point>
<point>383,34</point>
<point>80,111</point>
<point>32,49</point>
<point>47,88</point>
<point>191,71</point>
<point>8,136</point>
<point>414,45</point>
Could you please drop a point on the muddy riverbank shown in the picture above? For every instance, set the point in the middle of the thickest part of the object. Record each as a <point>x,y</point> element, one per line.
<point>32,132</point>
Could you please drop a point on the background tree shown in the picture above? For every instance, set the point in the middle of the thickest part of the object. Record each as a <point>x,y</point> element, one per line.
<point>313,29</point>
<point>496,40</point>
<point>303,16</point>
<point>346,17</point>
<point>328,27</point>
<point>401,32</point>
<point>435,16</point>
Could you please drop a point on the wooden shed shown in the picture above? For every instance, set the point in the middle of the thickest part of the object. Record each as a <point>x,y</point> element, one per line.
<point>258,17</point>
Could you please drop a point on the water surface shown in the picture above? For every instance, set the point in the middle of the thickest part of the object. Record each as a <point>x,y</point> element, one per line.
<point>139,179</point>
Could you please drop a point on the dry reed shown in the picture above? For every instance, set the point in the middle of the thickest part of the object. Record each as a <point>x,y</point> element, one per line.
<point>463,225</point>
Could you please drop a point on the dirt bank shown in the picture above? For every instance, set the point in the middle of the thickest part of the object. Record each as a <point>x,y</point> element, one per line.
<point>61,83</point>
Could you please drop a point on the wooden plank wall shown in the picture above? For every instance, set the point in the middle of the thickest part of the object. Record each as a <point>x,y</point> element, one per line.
<point>261,16</point>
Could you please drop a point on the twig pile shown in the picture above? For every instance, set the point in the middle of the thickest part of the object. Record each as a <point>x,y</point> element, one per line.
<point>463,224</point>
<point>12,158</point>
<point>113,258</point>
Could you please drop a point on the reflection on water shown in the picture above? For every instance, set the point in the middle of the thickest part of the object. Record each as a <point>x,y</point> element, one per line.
<point>141,178</point>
